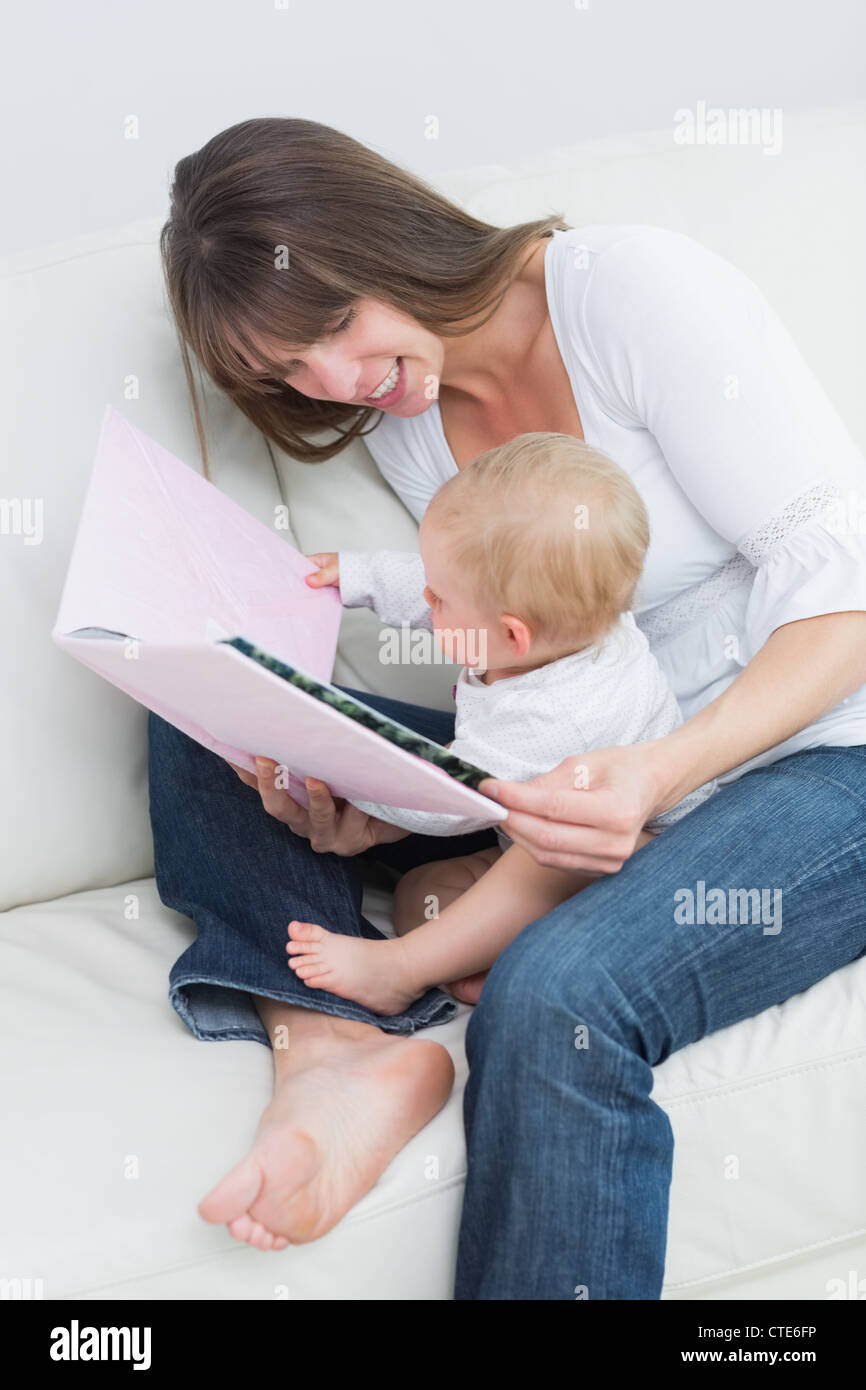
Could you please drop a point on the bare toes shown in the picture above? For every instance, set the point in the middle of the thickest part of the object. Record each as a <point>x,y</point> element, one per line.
<point>241,1227</point>
<point>306,969</point>
<point>306,931</point>
<point>261,1237</point>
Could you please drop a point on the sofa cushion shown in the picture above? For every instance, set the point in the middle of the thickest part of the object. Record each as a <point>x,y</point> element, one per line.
<point>123,1120</point>
<point>89,327</point>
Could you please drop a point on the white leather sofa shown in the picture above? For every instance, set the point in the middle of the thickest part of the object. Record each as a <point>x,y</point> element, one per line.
<point>117,1120</point>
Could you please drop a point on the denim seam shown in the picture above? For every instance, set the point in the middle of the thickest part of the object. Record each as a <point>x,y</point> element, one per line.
<point>787,767</point>
<point>815,871</point>
<point>614,1231</point>
<point>617,1094</point>
<point>421,1019</point>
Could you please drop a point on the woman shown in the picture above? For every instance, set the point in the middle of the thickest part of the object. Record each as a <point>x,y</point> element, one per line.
<point>323,288</point>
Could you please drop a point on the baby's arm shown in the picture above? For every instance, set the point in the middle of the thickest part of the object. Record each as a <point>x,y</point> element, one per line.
<point>390,582</point>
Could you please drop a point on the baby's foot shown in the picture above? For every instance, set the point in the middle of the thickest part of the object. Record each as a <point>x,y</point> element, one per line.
<point>468,990</point>
<point>373,973</point>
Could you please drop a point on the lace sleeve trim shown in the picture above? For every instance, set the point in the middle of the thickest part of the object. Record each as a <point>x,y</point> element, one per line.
<point>758,544</point>
<point>669,620</point>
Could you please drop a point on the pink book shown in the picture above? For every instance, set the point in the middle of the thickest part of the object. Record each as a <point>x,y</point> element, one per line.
<point>197,610</point>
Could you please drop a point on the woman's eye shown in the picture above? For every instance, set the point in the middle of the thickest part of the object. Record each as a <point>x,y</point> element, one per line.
<point>346,321</point>
<point>292,367</point>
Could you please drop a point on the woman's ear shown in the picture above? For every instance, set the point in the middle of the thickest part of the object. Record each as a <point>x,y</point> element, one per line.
<point>516,634</point>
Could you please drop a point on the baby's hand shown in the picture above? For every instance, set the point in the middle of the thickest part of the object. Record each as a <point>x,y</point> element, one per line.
<point>329,569</point>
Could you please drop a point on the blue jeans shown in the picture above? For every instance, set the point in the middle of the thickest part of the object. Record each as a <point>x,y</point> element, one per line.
<point>241,876</point>
<point>569,1158</point>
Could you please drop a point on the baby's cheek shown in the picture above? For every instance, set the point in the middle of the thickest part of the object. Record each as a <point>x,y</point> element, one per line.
<point>465,646</point>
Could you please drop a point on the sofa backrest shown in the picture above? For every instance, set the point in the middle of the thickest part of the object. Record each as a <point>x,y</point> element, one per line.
<point>86,324</point>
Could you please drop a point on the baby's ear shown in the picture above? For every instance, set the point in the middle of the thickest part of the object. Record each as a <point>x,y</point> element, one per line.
<point>516,634</point>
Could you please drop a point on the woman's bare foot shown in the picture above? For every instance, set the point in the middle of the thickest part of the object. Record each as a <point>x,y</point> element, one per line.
<point>373,973</point>
<point>347,1099</point>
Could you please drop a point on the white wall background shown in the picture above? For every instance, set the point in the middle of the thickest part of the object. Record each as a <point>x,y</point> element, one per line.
<point>503,77</point>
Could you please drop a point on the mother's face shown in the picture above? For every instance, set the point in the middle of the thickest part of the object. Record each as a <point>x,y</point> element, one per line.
<point>375,355</point>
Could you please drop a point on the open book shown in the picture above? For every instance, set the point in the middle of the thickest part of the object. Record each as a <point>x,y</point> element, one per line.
<point>197,610</point>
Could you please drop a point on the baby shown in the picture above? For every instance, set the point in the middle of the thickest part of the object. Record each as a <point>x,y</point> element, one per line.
<point>529,561</point>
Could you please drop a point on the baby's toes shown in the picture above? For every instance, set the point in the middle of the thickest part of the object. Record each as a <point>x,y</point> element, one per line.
<point>305,969</point>
<point>306,931</point>
<point>317,978</point>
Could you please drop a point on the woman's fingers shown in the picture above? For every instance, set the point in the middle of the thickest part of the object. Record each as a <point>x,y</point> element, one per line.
<point>561,846</point>
<point>319,822</point>
<point>584,814</point>
<point>276,800</point>
<point>322,816</point>
<point>602,806</point>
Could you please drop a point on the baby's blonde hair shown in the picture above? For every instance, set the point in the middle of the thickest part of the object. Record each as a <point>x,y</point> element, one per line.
<point>548,529</point>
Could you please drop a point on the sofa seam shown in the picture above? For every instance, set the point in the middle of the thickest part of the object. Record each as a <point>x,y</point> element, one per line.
<point>767,1079</point>
<point>457,1180</point>
<point>9,271</point>
<point>238,1247</point>
<point>508,177</point>
<point>770,1260</point>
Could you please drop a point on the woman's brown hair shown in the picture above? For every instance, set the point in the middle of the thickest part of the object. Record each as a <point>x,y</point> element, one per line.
<point>277,226</point>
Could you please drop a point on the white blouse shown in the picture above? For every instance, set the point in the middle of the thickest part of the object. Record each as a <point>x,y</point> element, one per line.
<point>684,375</point>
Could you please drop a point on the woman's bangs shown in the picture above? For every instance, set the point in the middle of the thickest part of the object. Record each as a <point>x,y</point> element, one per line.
<point>228,347</point>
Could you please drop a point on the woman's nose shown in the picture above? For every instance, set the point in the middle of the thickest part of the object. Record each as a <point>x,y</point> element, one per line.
<point>338,375</point>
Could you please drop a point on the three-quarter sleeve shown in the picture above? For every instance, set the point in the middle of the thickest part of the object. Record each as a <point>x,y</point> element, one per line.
<point>810,559</point>
<point>691,350</point>
<point>391,582</point>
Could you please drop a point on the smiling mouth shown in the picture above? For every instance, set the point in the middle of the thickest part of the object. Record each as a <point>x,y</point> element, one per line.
<point>388,384</point>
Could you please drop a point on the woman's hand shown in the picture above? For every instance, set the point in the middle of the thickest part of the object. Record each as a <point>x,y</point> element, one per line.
<point>588,813</point>
<point>329,569</point>
<point>331,826</point>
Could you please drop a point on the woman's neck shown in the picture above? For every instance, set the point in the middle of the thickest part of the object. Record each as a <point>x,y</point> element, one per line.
<point>482,366</point>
